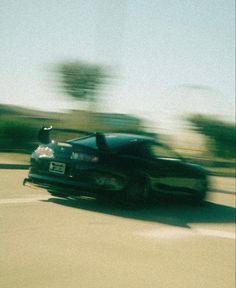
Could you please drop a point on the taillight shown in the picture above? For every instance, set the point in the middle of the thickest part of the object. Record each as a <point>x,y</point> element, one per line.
<point>44,152</point>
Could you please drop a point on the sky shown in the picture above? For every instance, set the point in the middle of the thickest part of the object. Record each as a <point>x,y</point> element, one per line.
<point>170,57</point>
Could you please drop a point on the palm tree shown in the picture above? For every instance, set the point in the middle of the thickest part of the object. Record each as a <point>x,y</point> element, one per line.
<point>82,81</point>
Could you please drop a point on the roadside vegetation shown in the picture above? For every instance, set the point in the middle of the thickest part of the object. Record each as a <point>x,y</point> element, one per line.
<point>17,135</point>
<point>84,82</point>
<point>220,136</point>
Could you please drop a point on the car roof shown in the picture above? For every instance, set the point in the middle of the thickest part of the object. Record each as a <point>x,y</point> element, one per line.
<point>114,140</point>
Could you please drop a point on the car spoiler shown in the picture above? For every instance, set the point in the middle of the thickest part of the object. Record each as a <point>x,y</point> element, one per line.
<point>101,142</point>
<point>44,135</point>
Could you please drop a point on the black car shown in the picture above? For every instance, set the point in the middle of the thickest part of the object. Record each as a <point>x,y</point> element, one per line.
<point>128,167</point>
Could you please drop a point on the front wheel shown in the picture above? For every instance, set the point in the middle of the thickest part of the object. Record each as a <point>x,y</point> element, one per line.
<point>200,195</point>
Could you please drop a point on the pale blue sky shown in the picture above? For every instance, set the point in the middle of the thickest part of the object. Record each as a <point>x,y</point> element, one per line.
<point>163,51</point>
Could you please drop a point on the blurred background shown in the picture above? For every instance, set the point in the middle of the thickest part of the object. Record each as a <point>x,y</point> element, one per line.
<point>158,67</point>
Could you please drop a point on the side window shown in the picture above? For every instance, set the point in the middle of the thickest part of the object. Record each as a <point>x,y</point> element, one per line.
<point>137,150</point>
<point>128,150</point>
<point>160,151</point>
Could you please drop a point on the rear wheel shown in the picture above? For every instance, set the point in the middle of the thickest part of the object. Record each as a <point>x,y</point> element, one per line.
<point>137,191</point>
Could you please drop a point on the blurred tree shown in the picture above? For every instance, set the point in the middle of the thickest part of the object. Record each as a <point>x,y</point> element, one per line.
<point>220,135</point>
<point>82,81</point>
<point>17,134</point>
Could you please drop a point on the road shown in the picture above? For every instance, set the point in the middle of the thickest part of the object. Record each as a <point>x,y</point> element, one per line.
<point>48,242</point>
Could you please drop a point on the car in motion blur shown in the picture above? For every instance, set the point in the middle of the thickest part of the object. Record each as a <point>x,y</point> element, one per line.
<point>131,168</point>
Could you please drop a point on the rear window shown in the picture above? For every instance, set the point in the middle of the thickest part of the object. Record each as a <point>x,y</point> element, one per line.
<point>90,142</point>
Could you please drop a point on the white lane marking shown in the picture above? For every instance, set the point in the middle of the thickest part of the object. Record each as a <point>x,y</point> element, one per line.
<point>180,233</point>
<point>22,200</point>
<point>166,233</point>
<point>217,233</point>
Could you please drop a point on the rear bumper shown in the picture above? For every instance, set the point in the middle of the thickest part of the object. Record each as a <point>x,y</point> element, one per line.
<point>67,186</point>
<point>58,185</point>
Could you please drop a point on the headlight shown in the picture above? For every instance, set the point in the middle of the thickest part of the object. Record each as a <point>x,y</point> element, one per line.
<point>44,152</point>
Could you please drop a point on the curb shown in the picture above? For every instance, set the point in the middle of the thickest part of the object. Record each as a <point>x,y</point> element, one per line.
<point>15,166</point>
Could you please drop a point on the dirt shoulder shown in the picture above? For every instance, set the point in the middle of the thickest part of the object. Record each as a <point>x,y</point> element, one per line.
<point>14,158</point>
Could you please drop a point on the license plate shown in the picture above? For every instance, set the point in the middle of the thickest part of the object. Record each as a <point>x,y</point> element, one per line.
<point>57,167</point>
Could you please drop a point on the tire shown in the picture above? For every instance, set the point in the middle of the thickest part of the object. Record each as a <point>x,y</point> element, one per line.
<point>137,191</point>
<point>200,195</point>
<point>57,194</point>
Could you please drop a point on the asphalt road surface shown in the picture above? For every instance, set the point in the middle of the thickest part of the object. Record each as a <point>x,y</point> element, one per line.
<point>52,242</point>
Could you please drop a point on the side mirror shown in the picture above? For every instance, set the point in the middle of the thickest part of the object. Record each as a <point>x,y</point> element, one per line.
<point>44,135</point>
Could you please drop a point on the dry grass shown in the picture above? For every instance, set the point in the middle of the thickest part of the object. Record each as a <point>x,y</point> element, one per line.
<point>14,158</point>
